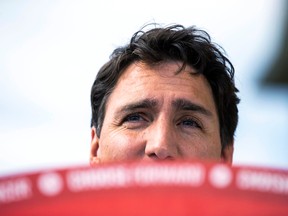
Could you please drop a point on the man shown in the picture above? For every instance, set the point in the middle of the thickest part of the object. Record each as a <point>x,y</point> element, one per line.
<point>169,94</point>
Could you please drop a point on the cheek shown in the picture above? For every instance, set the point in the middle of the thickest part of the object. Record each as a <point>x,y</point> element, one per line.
<point>201,149</point>
<point>119,144</point>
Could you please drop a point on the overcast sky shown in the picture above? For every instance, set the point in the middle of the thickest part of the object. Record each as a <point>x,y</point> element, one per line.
<point>50,52</point>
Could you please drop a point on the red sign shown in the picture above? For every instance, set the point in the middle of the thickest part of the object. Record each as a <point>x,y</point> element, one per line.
<point>166,188</point>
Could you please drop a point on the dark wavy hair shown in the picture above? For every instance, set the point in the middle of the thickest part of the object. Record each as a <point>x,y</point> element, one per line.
<point>192,47</point>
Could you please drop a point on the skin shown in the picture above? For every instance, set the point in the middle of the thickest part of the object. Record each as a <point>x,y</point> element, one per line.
<point>155,113</point>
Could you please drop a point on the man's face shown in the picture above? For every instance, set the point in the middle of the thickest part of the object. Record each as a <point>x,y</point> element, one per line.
<point>154,113</point>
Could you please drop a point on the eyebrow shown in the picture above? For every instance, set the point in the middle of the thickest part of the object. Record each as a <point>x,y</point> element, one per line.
<point>184,104</point>
<point>142,104</point>
<point>178,104</point>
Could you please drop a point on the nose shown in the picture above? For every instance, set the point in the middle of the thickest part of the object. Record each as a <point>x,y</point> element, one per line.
<point>161,142</point>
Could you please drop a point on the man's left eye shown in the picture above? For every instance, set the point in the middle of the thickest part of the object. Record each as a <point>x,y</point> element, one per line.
<point>190,123</point>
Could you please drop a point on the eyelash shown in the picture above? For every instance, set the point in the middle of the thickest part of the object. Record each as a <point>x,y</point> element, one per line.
<point>129,117</point>
<point>136,117</point>
<point>192,123</point>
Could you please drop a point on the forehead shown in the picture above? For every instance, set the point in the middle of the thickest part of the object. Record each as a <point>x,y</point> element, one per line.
<point>162,82</point>
<point>168,69</point>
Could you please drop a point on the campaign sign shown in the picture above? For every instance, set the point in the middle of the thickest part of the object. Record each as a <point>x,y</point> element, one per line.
<point>163,188</point>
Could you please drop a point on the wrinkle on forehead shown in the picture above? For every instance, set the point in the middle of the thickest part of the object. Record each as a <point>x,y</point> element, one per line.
<point>166,68</point>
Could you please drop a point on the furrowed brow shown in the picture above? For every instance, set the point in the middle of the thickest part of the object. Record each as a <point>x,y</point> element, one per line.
<point>142,104</point>
<point>183,104</point>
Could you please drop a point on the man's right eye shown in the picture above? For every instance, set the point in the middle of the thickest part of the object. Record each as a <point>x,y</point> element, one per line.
<point>135,121</point>
<point>133,118</point>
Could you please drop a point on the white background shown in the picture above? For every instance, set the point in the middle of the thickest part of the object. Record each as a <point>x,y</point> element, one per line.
<point>50,52</point>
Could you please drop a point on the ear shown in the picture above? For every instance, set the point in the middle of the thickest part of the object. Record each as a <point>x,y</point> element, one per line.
<point>227,154</point>
<point>94,160</point>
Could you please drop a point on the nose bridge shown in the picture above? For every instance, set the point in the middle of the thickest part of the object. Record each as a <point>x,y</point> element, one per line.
<point>161,143</point>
